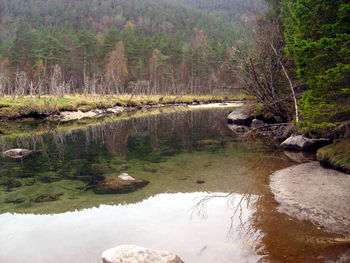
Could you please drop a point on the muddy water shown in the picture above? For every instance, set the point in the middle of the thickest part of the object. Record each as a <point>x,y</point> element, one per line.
<point>208,199</point>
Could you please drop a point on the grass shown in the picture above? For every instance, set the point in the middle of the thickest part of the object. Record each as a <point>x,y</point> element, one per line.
<point>336,155</point>
<point>28,106</point>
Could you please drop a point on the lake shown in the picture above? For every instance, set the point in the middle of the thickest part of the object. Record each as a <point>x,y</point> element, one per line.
<point>208,199</point>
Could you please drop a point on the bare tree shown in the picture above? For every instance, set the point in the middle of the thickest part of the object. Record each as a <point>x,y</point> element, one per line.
<point>262,69</point>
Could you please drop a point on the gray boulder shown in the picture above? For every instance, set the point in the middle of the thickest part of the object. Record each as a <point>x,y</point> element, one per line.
<point>135,254</point>
<point>301,143</point>
<point>121,184</point>
<point>239,117</point>
<point>17,153</point>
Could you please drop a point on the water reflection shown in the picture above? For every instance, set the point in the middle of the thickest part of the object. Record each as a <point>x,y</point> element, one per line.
<point>173,151</point>
<point>165,221</point>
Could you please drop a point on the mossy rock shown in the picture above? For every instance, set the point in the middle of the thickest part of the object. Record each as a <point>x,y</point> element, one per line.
<point>119,185</point>
<point>336,155</point>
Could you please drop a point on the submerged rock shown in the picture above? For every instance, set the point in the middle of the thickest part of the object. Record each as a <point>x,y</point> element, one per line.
<point>11,183</point>
<point>15,201</point>
<point>46,198</point>
<point>17,153</point>
<point>239,117</point>
<point>121,184</point>
<point>301,143</point>
<point>310,192</point>
<point>135,254</point>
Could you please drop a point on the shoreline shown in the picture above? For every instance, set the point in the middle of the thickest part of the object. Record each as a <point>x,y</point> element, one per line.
<point>96,113</point>
<point>44,107</point>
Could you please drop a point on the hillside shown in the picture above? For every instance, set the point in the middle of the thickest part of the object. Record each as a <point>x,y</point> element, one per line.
<point>118,46</point>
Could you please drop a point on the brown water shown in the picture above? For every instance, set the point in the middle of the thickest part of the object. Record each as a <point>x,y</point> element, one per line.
<point>231,217</point>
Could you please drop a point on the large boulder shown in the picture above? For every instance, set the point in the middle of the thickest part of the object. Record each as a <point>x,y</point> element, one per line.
<point>17,153</point>
<point>309,192</point>
<point>239,117</point>
<point>301,143</point>
<point>135,254</point>
<point>121,184</point>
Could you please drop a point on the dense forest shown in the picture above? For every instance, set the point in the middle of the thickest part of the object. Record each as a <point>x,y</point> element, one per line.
<point>299,64</point>
<point>120,46</point>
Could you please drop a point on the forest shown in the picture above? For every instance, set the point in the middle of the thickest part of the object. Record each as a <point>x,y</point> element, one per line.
<point>117,47</point>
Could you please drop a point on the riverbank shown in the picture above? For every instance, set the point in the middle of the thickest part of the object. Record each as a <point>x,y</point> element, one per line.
<point>336,154</point>
<point>45,106</point>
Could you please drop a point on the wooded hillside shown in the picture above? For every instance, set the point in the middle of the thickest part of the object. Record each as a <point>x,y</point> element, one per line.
<point>119,46</point>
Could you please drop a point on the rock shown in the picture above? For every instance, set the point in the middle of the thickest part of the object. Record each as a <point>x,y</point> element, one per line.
<point>238,129</point>
<point>239,117</point>
<point>121,184</point>
<point>300,157</point>
<point>15,201</point>
<point>17,153</point>
<point>301,143</point>
<point>12,183</point>
<point>46,198</point>
<point>126,177</point>
<point>76,115</point>
<point>135,254</point>
<point>114,110</point>
<point>310,192</point>
<point>257,124</point>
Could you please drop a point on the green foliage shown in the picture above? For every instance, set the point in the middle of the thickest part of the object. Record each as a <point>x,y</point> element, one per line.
<point>318,36</point>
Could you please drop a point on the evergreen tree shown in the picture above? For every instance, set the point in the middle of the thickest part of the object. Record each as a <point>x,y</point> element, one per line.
<point>318,36</point>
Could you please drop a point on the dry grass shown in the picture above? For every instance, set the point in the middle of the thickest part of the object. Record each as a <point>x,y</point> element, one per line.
<point>12,108</point>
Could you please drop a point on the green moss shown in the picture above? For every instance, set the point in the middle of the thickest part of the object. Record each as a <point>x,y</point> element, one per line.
<point>336,155</point>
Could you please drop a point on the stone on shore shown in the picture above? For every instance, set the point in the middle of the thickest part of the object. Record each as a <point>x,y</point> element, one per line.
<point>121,184</point>
<point>17,153</point>
<point>309,192</point>
<point>301,143</point>
<point>135,254</point>
<point>239,117</point>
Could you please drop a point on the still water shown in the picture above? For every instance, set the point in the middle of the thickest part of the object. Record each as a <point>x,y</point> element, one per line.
<point>208,199</point>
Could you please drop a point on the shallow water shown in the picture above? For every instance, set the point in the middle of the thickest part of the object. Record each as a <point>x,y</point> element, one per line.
<point>208,199</point>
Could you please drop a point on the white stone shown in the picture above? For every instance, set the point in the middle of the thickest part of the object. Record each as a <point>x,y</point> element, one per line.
<point>17,153</point>
<point>136,254</point>
<point>126,177</point>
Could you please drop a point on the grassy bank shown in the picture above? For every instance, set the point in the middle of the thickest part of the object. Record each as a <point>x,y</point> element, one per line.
<point>27,106</point>
<point>336,155</point>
